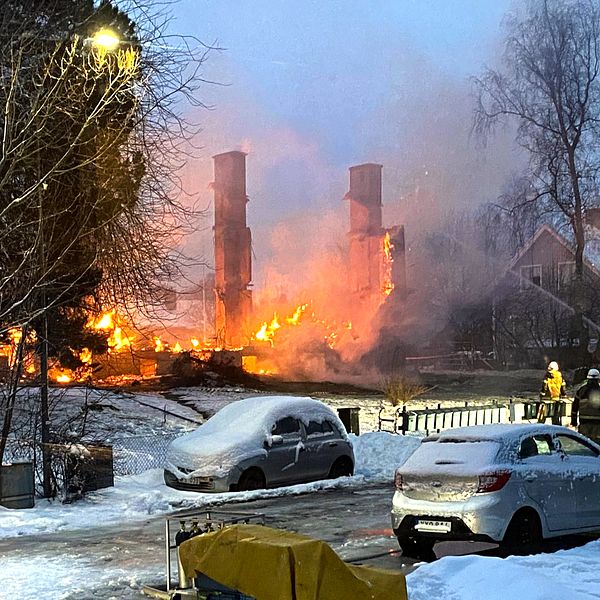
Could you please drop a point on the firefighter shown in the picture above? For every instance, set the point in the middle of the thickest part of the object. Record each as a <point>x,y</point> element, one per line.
<point>553,389</point>
<point>587,406</point>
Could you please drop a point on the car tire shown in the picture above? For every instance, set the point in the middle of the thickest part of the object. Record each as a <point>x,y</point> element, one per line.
<point>252,479</point>
<point>417,547</point>
<point>342,467</point>
<point>523,534</point>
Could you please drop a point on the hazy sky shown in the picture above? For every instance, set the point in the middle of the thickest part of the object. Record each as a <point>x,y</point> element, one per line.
<point>314,87</point>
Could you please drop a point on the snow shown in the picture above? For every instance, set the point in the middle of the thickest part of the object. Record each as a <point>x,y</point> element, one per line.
<point>464,457</point>
<point>571,574</point>
<point>69,574</point>
<point>506,432</point>
<point>135,497</point>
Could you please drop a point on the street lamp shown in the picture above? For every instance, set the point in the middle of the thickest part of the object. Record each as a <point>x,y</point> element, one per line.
<point>106,40</point>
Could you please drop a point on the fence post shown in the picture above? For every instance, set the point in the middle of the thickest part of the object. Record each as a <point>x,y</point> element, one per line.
<point>404,419</point>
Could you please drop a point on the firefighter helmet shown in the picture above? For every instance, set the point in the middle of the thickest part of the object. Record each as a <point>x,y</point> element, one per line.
<point>593,374</point>
<point>553,366</point>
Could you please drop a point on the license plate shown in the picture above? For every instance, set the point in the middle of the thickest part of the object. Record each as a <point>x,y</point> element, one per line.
<point>433,526</point>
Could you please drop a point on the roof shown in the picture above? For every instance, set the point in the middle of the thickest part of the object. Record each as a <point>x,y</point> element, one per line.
<point>544,229</point>
<point>548,230</point>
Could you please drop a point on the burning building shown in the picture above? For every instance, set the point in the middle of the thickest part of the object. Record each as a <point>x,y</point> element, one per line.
<point>233,266</point>
<point>376,255</point>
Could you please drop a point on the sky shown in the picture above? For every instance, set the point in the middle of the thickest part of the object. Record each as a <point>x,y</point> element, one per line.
<point>311,88</point>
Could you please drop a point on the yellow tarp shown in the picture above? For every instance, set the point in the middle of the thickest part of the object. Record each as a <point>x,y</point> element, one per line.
<point>271,564</point>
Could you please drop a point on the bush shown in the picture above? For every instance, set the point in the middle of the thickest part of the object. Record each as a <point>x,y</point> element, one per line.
<point>400,389</point>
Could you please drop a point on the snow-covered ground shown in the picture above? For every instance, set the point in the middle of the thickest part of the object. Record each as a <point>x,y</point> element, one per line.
<point>135,497</point>
<point>572,574</point>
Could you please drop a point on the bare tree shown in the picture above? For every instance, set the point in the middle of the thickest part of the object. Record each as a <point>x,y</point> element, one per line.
<point>549,85</point>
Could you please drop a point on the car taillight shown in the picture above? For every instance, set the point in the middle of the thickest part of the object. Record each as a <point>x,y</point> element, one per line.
<point>398,481</point>
<point>492,482</point>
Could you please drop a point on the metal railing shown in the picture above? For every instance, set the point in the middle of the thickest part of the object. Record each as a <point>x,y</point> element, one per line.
<point>428,420</point>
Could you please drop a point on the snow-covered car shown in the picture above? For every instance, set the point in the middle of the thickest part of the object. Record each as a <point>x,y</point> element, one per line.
<point>261,442</point>
<point>509,484</point>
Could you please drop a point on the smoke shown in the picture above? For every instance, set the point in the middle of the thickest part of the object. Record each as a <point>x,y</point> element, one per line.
<point>410,115</point>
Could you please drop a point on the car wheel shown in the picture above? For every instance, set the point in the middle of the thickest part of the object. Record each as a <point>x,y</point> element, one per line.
<point>342,467</point>
<point>252,479</point>
<point>523,534</point>
<point>417,547</point>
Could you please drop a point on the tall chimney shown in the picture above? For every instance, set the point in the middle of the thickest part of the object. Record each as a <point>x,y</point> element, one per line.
<point>233,263</point>
<point>366,233</point>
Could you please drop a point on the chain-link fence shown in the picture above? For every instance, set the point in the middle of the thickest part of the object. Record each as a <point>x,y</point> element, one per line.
<point>136,454</point>
<point>130,455</point>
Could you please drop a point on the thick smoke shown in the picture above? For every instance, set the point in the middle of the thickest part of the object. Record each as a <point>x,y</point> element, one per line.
<point>419,130</point>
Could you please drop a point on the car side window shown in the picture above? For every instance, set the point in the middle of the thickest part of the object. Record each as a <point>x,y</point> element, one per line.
<point>574,447</point>
<point>535,445</point>
<point>316,429</point>
<point>288,427</point>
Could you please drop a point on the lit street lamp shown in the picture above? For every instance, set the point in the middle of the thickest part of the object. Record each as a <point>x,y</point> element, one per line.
<point>106,39</point>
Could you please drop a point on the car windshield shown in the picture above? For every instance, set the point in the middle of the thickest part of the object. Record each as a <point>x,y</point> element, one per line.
<point>457,455</point>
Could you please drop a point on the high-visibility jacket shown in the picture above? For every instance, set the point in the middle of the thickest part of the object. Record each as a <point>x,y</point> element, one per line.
<point>554,386</point>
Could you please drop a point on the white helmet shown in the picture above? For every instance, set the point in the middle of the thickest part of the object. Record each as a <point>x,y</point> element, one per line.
<point>593,374</point>
<point>553,366</point>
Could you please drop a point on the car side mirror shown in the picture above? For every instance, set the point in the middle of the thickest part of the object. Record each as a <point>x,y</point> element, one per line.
<point>273,440</point>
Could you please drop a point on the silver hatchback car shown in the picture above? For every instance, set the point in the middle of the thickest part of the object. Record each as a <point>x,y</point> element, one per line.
<point>509,484</point>
<point>261,442</point>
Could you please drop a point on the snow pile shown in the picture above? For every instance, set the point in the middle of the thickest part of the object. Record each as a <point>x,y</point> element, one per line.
<point>572,574</point>
<point>378,454</point>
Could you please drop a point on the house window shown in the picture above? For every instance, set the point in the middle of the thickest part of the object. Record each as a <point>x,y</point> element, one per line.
<point>566,272</point>
<point>531,274</point>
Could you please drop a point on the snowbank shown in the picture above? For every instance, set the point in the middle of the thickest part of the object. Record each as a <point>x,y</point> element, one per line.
<point>572,574</point>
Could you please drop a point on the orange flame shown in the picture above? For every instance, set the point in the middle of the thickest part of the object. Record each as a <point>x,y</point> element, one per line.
<point>267,331</point>
<point>388,259</point>
<point>117,339</point>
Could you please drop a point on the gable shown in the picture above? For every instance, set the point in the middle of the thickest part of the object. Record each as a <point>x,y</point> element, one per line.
<point>546,248</point>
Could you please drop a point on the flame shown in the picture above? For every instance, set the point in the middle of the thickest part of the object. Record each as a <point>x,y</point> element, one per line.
<point>177,348</point>
<point>295,318</point>
<point>267,331</point>
<point>159,345</point>
<point>195,343</point>
<point>63,378</point>
<point>105,323</point>
<point>85,356</point>
<point>109,322</point>
<point>388,259</point>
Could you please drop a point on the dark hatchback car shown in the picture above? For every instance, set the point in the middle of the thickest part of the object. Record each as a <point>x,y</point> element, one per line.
<point>261,442</point>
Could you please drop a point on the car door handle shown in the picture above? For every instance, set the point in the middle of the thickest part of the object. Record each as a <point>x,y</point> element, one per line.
<point>531,478</point>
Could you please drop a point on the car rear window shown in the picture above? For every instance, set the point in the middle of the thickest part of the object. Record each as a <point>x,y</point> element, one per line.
<point>574,447</point>
<point>456,454</point>
<point>314,428</point>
